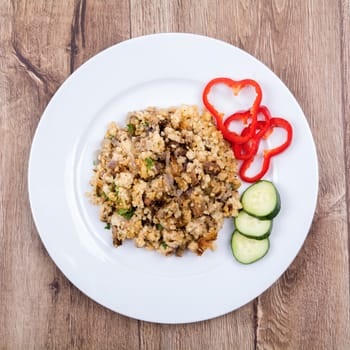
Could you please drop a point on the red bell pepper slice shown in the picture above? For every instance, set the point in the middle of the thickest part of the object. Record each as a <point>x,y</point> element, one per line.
<point>250,148</point>
<point>284,124</point>
<point>246,165</point>
<point>245,145</point>
<point>232,136</point>
<point>268,154</point>
<point>236,86</point>
<point>244,150</point>
<point>267,115</point>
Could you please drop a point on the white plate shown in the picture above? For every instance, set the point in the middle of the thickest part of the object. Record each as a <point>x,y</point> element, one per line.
<point>159,70</point>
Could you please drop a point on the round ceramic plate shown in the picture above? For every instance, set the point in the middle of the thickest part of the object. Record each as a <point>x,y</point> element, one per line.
<point>160,70</point>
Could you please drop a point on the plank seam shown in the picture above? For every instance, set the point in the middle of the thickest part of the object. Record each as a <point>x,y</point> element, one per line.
<point>343,111</point>
<point>130,27</point>
<point>78,24</point>
<point>139,332</point>
<point>82,22</point>
<point>255,321</point>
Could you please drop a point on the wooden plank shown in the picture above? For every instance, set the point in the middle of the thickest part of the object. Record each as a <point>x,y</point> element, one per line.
<point>162,16</point>
<point>39,308</point>
<point>305,43</point>
<point>303,307</point>
<point>97,25</point>
<point>345,74</point>
<point>33,64</point>
<point>271,31</point>
<point>219,333</point>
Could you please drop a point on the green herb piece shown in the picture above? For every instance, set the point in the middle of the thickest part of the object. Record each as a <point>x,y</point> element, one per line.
<point>108,226</point>
<point>149,163</point>
<point>164,245</point>
<point>131,129</point>
<point>104,196</point>
<point>159,227</point>
<point>114,188</point>
<point>146,124</point>
<point>126,213</point>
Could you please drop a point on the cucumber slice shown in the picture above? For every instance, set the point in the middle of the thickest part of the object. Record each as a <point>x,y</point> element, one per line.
<point>248,250</point>
<point>251,226</point>
<point>261,200</point>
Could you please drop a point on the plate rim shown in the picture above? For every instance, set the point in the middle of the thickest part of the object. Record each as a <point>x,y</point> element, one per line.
<point>46,116</point>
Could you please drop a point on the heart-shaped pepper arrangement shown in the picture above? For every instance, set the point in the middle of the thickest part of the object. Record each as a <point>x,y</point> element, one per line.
<point>245,144</point>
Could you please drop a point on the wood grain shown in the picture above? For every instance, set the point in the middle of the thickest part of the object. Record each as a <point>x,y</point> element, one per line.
<point>165,16</point>
<point>95,26</point>
<point>345,74</point>
<point>305,42</point>
<point>305,287</point>
<point>39,308</point>
<point>31,77</point>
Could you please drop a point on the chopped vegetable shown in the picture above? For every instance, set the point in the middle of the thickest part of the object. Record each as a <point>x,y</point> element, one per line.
<point>267,154</point>
<point>284,124</point>
<point>261,200</point>
<point>108,226</point>
<point>149,163</point>
<point>248,149</point>
<point>248,250</point>
<point>246,144</point>
<point>251,226</point>
<point>159,227</point>
<point>260,204</point>
<point>105,195</point>
<point>116,189</point>
<point>236,86</point>
<point>131,129</point>
<point>126,213</point>
<point>164,245</point>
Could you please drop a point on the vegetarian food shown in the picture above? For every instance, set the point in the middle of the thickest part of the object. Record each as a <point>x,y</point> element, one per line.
<point>248,250</point>
<point>246,144</point>
<point>260,204</point>
<point>252,227</point>
<point>167,180</point>
<point>262,200</point>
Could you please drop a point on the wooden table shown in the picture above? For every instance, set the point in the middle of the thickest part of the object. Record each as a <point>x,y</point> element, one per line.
<point>305,42</point>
